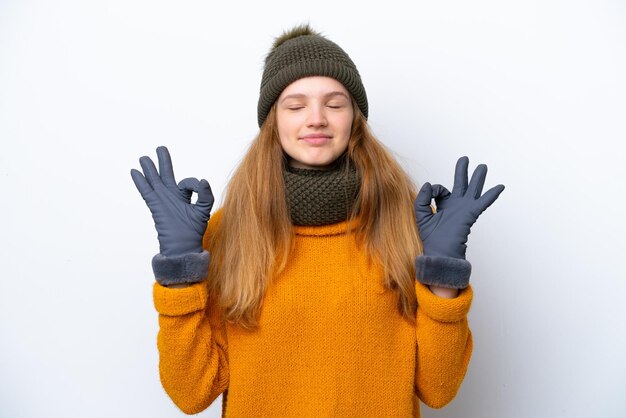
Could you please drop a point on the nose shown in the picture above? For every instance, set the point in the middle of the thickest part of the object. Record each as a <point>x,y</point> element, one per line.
<point>317,116</point>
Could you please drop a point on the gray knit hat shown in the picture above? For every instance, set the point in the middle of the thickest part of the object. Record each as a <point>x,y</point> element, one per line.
<point>302,52</point>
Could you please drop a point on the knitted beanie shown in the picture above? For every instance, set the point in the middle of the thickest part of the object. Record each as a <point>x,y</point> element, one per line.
<point>302,52</point>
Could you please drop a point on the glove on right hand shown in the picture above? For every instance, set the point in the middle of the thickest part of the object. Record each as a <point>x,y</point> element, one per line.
<point>180,224</point>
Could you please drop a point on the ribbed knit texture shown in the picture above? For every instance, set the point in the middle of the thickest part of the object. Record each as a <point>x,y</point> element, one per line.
<point>302,56</point>
<point>321,197</point>
<point>331,342</point>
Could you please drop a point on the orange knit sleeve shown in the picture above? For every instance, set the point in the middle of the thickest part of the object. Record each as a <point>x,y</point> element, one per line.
<point>444,345</point>
<point>193,346</point>
<point>193,350</point>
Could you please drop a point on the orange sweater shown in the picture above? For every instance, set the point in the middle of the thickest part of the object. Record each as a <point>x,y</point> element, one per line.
<point>330,343</point>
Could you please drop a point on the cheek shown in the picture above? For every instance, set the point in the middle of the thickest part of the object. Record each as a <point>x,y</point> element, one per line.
<point>286,134</point>
<point>346,125</point>
<point>287,126</point>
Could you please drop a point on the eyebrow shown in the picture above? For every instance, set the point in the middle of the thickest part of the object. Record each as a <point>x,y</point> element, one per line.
<point>300,95</point>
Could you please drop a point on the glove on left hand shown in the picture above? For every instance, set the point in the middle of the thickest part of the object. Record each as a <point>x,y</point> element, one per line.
<point>444,233</point>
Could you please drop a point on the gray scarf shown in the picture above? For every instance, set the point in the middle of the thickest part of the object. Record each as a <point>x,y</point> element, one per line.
<point>321,197</point>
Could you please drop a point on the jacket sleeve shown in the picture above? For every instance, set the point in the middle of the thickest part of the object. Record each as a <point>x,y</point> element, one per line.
<point>193,349</point>
<point>444,345</point>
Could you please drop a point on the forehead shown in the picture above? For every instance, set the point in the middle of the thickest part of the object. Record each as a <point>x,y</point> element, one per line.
<point>314,86</point>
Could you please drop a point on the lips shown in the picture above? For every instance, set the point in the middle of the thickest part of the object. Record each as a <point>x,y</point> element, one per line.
<point>316,139</point>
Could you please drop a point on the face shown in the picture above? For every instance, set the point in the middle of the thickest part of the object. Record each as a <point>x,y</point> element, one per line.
<point>314,119</point>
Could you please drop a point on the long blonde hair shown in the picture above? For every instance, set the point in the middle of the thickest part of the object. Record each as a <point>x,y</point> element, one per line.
<point>254,238</point>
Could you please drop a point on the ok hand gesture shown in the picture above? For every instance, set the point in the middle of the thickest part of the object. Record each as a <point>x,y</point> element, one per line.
<point>180,224</point>
<point>445,232</point>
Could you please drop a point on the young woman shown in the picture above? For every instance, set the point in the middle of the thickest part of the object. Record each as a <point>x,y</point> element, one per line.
<point>325,285</point>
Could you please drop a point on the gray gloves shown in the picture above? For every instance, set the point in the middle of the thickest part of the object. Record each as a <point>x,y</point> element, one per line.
<point>180,224</point>
<point>445,232</point>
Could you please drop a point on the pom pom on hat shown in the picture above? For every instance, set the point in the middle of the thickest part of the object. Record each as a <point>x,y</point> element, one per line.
<point>300,30</point>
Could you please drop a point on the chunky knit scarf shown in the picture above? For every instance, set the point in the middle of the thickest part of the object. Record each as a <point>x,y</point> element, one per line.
<point>321,197</point>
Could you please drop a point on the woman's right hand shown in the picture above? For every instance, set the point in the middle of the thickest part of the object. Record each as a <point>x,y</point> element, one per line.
<point>180,224</point>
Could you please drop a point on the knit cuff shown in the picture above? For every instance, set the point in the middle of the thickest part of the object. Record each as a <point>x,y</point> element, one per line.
<point>178,302</point>
<point>186,268</point>
<point>443,271</point>
<point>441,309</point>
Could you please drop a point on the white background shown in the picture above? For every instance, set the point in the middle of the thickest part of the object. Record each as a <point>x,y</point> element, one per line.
<point>534,89</point>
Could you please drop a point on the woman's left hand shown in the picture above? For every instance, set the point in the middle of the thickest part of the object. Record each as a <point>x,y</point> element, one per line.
<point>445,232</point>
